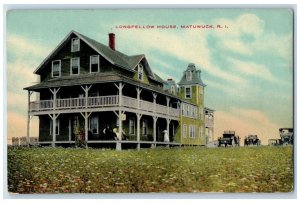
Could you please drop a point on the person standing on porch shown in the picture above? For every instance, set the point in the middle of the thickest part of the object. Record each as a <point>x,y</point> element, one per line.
<point>166,136</point>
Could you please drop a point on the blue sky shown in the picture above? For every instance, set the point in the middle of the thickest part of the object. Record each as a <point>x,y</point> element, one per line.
<point>248,67</point>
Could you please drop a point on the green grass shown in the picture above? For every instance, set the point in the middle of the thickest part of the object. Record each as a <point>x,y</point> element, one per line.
<point>189,169</point>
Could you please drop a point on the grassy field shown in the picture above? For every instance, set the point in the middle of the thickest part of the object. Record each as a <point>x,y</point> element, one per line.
<point>188,169</point>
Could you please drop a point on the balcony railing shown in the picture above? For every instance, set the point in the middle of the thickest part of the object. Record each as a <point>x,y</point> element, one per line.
<point>101,101</point>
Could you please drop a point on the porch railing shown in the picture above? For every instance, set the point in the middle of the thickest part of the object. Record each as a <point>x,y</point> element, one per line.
<point>100,101</point>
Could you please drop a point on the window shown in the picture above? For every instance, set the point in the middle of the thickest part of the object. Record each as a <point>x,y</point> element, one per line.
<point>192,131</point>
<point>173,89</point>
<point>201,133</point>
<point>184,130</point>
<point>94,124</point>
<point>145,127</point>
<point>75,45</point>
<point>56,126</point>
<point>188,93</point>
<point>188,75</point>
<point>188,110</point>
<point>131,126</point>
<point>94,64</point>
<point>56,66</point>
<point>183,109</point>
<point>140,72</point>
<point>75,69</point>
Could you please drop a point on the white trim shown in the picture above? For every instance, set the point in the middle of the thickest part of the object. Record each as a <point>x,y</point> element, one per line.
<point>98,58</point>
<point>59,68</point>
<point>190,92</point>
<point>72,48</point>
<point>90,121</point>
<point>71,64</point>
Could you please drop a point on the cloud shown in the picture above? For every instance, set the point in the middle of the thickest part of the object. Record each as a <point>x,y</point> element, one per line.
<point>21,45</point>
<point>188,46</point>
<point>252,69</point>
<point>163,64</point>
<point>263,41</point>
<point>250,24</point>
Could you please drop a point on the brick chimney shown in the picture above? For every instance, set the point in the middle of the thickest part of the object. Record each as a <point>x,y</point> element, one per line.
<point>111,41</point>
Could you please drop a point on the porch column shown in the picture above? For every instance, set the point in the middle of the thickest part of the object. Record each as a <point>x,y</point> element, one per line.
<point>53,117</point>
<point>120,88</point>
<point>138,116</point>
<point>138,96</point>
<point>54,92</point>
<point>86,115</point>
<point>28,118</point>
<point>120,130</point>
<point>70,129</point>
<point>168,130</point>
<point>154,100</point>
<point>86,93</point>
<point>168,104</point>
<point>119,115</point>
<point>154,131</point>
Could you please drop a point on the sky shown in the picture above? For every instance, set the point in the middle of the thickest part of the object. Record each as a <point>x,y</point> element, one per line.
<point>247,64</point>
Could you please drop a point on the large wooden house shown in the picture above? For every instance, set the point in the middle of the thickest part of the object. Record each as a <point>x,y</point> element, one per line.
<point>89,87</point>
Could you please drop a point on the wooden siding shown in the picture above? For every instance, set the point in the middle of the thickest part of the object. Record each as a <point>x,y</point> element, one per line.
<point>65,56</point>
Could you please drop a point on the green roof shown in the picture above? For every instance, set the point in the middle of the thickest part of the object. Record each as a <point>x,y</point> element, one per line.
<point>196,76</point>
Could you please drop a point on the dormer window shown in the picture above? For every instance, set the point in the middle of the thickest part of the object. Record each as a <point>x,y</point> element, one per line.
<point>75,44</point>
<point>75,66</point>
<point>56,67</point>
<point>94,64</point>
<point>140,72</point>
<point>172,89</point>
<point>188,75</point>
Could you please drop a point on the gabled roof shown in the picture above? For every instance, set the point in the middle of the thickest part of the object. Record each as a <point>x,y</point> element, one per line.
<point>196,76</point>
<point>114,57</point>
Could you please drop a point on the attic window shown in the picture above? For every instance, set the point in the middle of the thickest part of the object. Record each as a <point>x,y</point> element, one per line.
<point>94,64</point>
<point>75,45</point>
<point>188,75</point>
<point>173,89</point>
<point>56,66</point>
<point>75,66</point>
<point>140,72</point>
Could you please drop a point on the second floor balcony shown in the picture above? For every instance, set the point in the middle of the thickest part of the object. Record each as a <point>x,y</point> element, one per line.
<point>101,102</point>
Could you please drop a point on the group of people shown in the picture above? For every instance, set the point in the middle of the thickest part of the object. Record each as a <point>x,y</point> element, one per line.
<point>113,134</point>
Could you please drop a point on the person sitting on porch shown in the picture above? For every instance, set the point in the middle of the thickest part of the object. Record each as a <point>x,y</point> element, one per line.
<point>123,137</point>
<point>109,134</point>
<point>117,134</point>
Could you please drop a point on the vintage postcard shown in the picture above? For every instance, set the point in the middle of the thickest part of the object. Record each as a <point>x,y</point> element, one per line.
<point>150,101</point>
